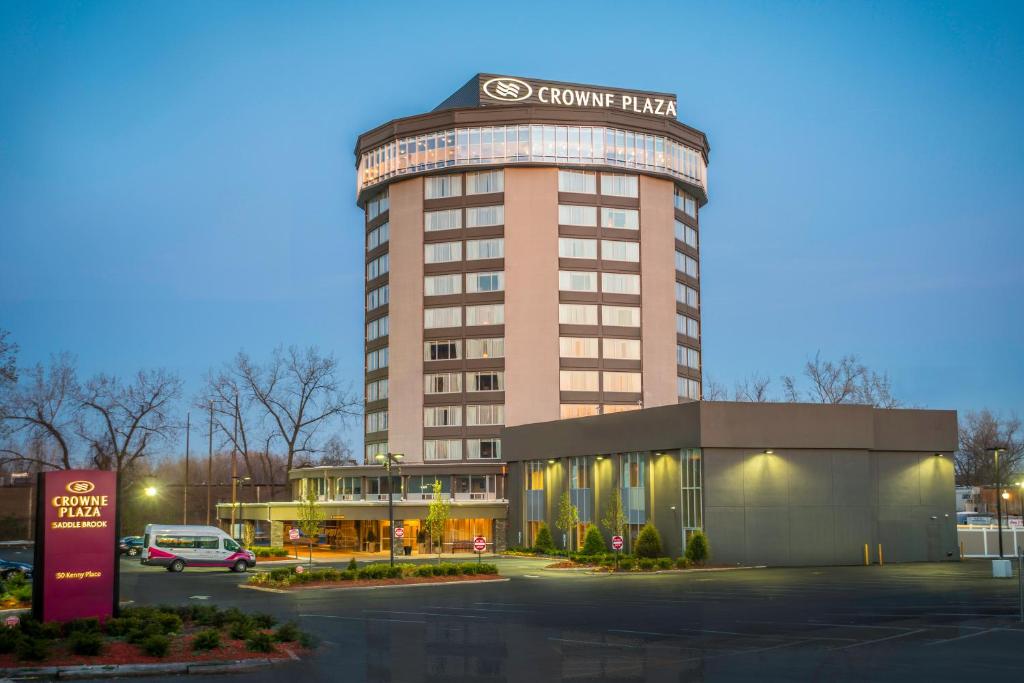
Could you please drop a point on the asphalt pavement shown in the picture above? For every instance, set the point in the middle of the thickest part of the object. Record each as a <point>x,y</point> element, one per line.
<point>930,622</point>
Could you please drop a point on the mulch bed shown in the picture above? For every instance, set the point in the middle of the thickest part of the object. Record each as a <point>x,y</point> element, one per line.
<point>366,583</point>
<point>120,652</point>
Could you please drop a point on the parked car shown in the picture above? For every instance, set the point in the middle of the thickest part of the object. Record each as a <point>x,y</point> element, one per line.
<point>130,546</point>
<point>9,568</point>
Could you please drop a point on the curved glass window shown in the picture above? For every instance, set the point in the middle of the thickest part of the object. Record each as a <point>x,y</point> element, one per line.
<point>582,145</point>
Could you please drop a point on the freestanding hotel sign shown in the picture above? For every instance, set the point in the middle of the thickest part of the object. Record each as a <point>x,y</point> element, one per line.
<point>76,552</point>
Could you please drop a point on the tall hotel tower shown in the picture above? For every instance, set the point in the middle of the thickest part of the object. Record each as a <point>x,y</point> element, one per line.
<point>532,254</point>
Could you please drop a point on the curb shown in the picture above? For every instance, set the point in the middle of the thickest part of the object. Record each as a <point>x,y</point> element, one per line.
<point>96,671</point>
<point>367,588</point>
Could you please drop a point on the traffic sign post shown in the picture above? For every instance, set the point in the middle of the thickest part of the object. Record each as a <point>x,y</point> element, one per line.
<point>617,547</point>
<point>399,532</point>
<point>293,536</point>
<point>479,545</point>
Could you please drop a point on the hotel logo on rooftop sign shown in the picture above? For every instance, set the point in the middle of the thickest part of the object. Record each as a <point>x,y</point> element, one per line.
<point>497,90</point>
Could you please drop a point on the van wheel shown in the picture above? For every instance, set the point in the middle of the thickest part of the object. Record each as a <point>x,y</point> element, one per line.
<point>132,552</point>
<point>240,566</point>
<point>176,566</point>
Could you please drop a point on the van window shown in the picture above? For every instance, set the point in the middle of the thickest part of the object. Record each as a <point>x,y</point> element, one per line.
<point>208,542</point>
<point>230,545</point>
<point>168,541</point>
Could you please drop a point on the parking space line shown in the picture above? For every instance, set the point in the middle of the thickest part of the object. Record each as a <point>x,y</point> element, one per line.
<point>595,643</point>
<point>881,640</point>
<point>821,623</point>
<point>423,614</point>
<point>964,637</point>
<point>391,621</point>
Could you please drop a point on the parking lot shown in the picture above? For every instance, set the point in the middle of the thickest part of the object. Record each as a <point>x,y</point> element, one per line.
<point>931,622</point>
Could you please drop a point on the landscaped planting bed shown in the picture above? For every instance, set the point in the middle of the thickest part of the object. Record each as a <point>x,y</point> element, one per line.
<point>379,574</point>
<point>149,635</point>
<point>15,592</point>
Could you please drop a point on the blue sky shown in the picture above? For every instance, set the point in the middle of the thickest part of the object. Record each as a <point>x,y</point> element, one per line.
<point>177,179</point>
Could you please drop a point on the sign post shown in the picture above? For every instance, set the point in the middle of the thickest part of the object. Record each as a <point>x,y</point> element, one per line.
<point>617,547</point>
<point>479,545</point>
<point>75,569</point>
<point>293,536</point>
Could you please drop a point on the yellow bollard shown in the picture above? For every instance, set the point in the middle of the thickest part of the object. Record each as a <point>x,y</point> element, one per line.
<point>867,560</point>
<point>880,561</point>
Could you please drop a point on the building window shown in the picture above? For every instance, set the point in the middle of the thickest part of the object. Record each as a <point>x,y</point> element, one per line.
<point>376,391</point>
<point>376,421</point>
<point>377,205</point>
<point>570,247</point>
<point>485,182</point>
<point>567,411</point>
<point>485,249</point>
<point>620,316</point>
<point>442,383</point>
<point>493,414</point>
<point>449,349</point>
<point>610,408</point>
<point>376,298</point>
<point>619,185</point>
<point>449,316</point>
<point>577,347</point>
<point>623,219</point>
<point>570,214</point>
<point>578,380</point>
<point>442,252</point>
<point>620,283</point>
<point>628,382</point>
<point>685,203</point>
<point>577,281</point>
<point>377,267</point>
<point>691,481</point>
<point>442,449</point>
<point>687,357</point>
<point>448,219</point>
<point>687,295</point>
<point>612,250</point>
<point>490,347</point>
<point>686,264</point>
<point>485,380</point>
<point>485,216</point>
<point>375,360</point>
<point>351,488</point>
<point>483,449</point>
<point>686,234</point>
<point>581,182</point>
<point>438,187</point>
<point>375,329</point>
<point>621,349</point>
<point>579,473</point>
<point>577,314</point>
<point>372,449</point>
<point>493,281</point>
<point>442,416</point>
<point>489,314</point>
<point>534,476</point>
<point>686,325</point>
<point>688,388</point>
<point>440,285</point>
<point>377,236</point>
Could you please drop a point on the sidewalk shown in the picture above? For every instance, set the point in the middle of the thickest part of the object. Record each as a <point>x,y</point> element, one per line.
<point>328,555</point>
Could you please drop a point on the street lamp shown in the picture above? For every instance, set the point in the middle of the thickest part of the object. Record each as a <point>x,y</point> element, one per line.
<point>150,491</point>
<point>387,460</point>
<point>995,450</point>
<point>234,499</point>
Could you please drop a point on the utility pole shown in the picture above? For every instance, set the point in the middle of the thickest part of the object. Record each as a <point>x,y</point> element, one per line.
<point>188,434</point>
<point>209,468</point>
<point>234,470</point>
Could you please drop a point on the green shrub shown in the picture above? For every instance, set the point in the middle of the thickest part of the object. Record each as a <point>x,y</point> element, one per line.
<point>544,544</point>
<point>16,580</point>
<point>32,628</point>
<point>9,640</point>
<point>264,620</point>
<point>648,543</point>
<point>664,563</point>
<point>352,566</point>
<point>233,615</point>
<point>645,564</point>
<point>287,633</point>
<point>260,642</point>
<point>87,643</point>
<point>424,570</point>
<point>169,623</point>
<point>308,640</point>
<point>21,593</point>
<point>330,575</point>
<point>698,550</point>
<point>270,552</point>
<point>486,568</point>
<point>683,563</point>
<point>156,645</point>
<point>117,626</point>
<point>240,630</point>
<point>143,631</point>
<point>593,543</point>
<point>77,625</point>
<point>467,569</point>
<point>208,615</point>
<point>280,573</point>
<point>33,649</point>
<point>206,640</point>
<point>627,564</point>
<point>348,575</point>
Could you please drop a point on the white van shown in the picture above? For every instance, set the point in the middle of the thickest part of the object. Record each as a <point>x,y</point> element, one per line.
<point>176,546</point>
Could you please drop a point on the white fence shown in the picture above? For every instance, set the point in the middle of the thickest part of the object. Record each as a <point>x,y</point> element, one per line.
<point>984,541</point>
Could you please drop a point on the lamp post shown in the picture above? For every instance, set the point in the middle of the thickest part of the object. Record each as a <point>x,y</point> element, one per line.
<point>234,500</point>
<point>999,496</point>
<point>389,460</point>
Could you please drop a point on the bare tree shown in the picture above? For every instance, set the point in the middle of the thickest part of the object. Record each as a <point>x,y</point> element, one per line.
<point>300,392</point>
<point>128,420</point>
<point>8,359</point>
<point>753,389</point>
<point>979,432</point>
<point>44,409</point>
<point>847,380</point>
<point>227,392</point>
<point>336,451</point>
<point>714,391</point>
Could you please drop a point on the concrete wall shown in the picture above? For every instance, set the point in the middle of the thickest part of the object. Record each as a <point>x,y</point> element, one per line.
<point>813,507</point>
<point>658,293</point>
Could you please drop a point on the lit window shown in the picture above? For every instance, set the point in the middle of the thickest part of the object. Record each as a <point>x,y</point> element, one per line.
<point>622,381</point>
<point>623,219</point>
<point>489,314</point>
<point>609,408</point>
<point>620,316</point>
<point>621,349</point>
<point>449,316</point>
<point>577,281</point>
<point>581,182</point>
<point>578,380</point>
<point>492,347</point>
<point>577,314</point>
<point>442,449</point>
<point>571,247</point>
<point>577,347</point>
<point>571,410</point>
<point>619,185</point>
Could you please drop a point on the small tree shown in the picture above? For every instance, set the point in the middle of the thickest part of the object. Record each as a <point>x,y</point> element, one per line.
<point>437,517</point>
<point>568,518</point>
<point>248,534</point>
<point>648,543</point>
<point>543,543</point>
<point>593,543</point>
<point>311,518</point>
<point>615,520</point>
<point>697,549</point>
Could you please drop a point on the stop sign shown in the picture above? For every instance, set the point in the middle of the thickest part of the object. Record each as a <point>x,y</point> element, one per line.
<point>300,569</point>
<point>293,534</point>
<point>479,544</point>
<point>616,542</point>
<point>399,532</point>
